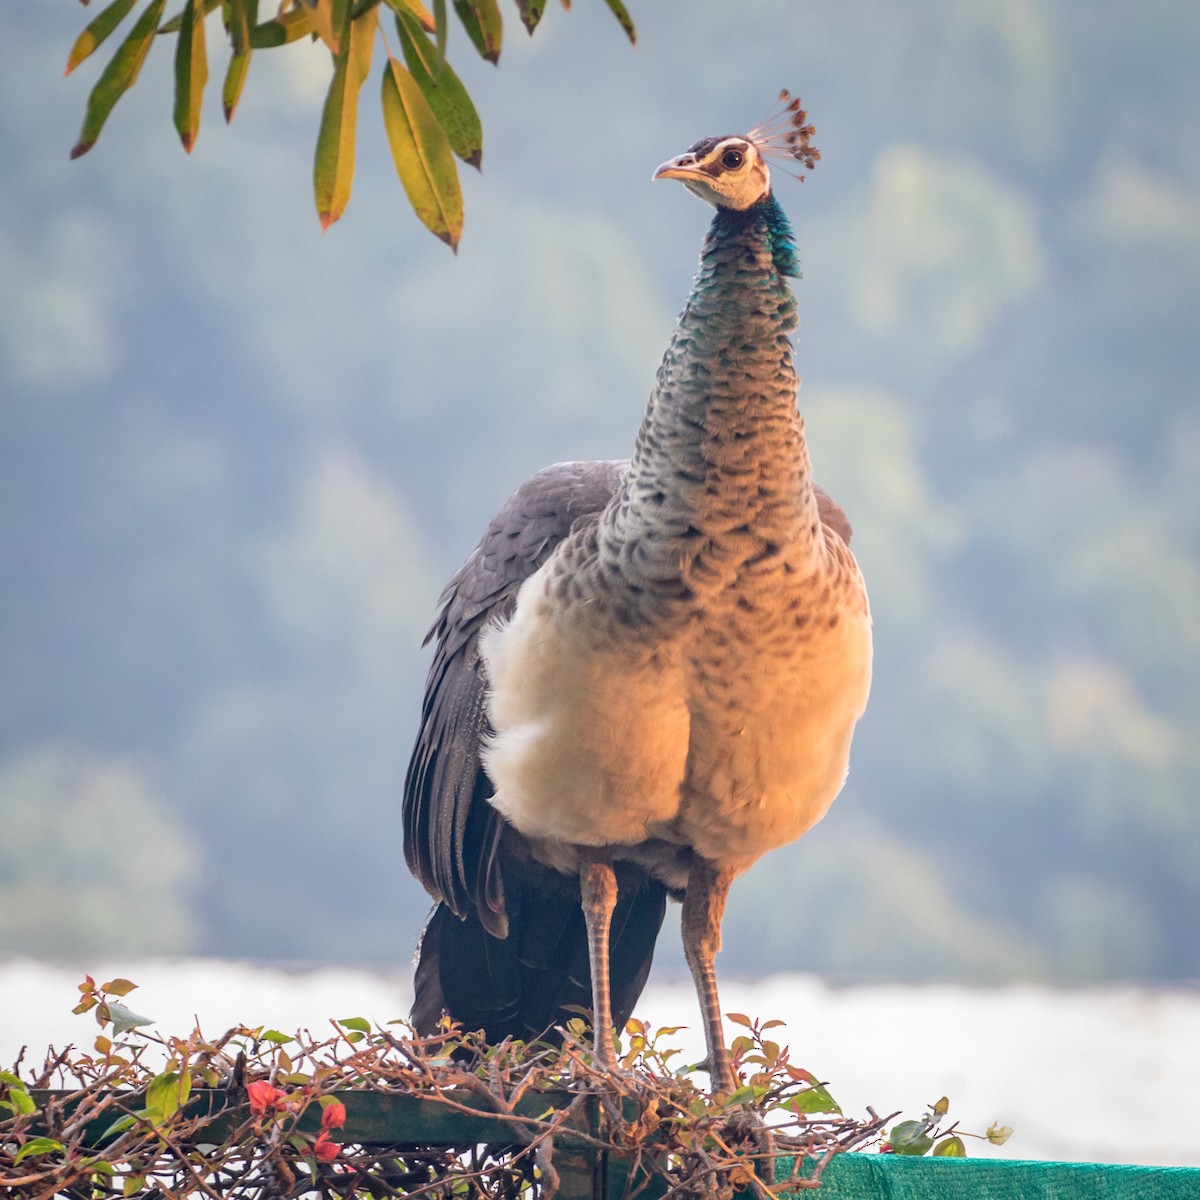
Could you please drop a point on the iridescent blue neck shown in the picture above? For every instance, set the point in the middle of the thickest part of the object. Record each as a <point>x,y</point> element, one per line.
<point>770,215</point>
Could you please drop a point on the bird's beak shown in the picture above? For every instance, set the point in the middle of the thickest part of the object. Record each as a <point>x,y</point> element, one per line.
<point>683,167</point>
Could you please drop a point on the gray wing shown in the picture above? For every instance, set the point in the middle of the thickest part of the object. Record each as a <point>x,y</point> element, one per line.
<point>451,832</point>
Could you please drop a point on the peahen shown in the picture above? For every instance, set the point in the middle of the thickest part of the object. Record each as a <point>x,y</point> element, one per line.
<point>647,674</point>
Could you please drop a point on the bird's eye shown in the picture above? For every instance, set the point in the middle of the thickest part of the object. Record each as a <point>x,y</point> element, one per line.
<point>732,159</point>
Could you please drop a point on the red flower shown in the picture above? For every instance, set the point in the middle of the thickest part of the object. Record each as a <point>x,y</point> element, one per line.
<point>333,1116</point>
<point>263,1096</point>
<point>324,1149</point>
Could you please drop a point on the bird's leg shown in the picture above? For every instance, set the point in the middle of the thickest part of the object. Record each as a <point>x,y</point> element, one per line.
<point>598,888</point>
<point>703,907</point>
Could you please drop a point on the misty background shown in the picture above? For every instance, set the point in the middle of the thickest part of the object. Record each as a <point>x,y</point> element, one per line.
<point>239,458</point>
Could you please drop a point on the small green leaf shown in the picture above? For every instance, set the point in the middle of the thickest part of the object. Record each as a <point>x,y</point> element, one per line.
<point>273,1035</point>
<point>444,91</point>
<point>815,1099</point>
<point>243,16</point>
<point>359,1023</point>
<point>942,1107</point>
<point>950,1147</point>
<point>118,1126</point>
<point>98,29</point>
<point>165,1095</point>
<point>619,11</point>
<point>531,12</point>
<point>133,1185</point>
<point>36,1146</point>
<point>911,1137</point>
<point>333,167</point>
<point>191,73</point>
<point>422,154</point>
<point>115,80</point>
<point>124,1019</point>
<point>439,28</point>
<point>484,25</point>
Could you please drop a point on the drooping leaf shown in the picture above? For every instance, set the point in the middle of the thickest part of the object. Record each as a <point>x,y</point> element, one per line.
<point>484,25</point>
<point>444,91</point>
<point>191,73</point>
<point>98,29</point>
<point>950,1147</point>
<point>359,1023</point>
<point>619,11</point>
<point>287,27</point>
<point>942,1107</point>
<point>118,76</point>
<point>440,28</point>
<point>531,12</point>
<point>422,154</point>
<point>243,16</point>
<point>333,167</point>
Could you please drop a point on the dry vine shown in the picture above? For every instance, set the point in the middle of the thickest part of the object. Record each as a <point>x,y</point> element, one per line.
<point>256,1113</point>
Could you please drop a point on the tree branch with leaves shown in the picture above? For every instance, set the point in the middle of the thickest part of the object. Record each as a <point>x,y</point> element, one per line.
<point>428,116</point>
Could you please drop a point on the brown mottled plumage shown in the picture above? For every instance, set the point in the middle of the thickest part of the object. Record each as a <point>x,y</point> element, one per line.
<point>648,674</point>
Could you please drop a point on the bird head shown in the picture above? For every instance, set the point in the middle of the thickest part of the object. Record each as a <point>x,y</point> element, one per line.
<point>731,171</point>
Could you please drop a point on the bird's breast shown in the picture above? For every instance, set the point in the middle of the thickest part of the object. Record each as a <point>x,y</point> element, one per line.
<point>726,730</point>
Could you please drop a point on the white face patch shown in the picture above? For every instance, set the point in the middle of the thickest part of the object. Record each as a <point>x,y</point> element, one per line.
<point>728,172</point>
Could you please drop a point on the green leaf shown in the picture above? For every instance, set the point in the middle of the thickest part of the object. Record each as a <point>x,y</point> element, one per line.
<point>333,167</point>
<point>815,1099</point>
<point>36,1146</point>
<point>191,73</point>
<point>165,1095</point>
<point>619,11</point>
<point>116,79</point>
<point>98,29</point>
<point>911,1137</point>
<point>287,27</point>
<point>273,1035</point>
<point>531,12</point>
<point>359,1023</point>
<point>124,1019</point>
<point>439,28</point>
<point>942,1107</point>
<point>243,16</point>
<point>444,91</point>
<point>484,25</point>
<point>951,1147</point>
<point>422,154</point>
<point>18,1099</point>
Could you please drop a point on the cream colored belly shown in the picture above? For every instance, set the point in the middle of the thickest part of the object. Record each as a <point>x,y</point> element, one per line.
<point>603,748</point>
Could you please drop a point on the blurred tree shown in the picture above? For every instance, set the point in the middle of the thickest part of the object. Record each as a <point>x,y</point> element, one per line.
<point>91,862</point>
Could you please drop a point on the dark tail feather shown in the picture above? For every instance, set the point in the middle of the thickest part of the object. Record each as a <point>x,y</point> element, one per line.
<point>519,986</point>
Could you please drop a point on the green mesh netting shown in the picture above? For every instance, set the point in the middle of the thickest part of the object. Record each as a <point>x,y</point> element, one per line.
<point>892,1177</point>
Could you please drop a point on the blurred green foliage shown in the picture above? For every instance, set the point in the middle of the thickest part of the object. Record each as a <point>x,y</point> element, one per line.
<point>237,460</point>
